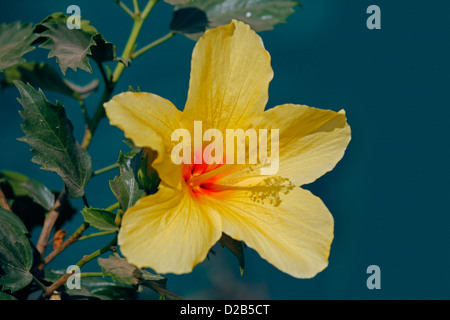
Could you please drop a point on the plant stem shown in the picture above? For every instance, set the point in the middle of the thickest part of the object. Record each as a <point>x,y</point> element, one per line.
<point>85,201</point>
<point>94,274</point>
<point>105,169</point>
<point>48,292</point>
<point>84,111</point>
<point>49,222</point>
<point>103,72</point>
<point>40,284</point>
<point>125,8</point>
<point>152,45</point>
<point>96,253</point>
<point>113,207</point>
<point>99,114</point>
<point>111,84</point>
<point>138,22</point>
<point>4,202</point>
<point>118,219</point>
<point>136,6</point>
<point>74,237</point>
<point>98,234</point>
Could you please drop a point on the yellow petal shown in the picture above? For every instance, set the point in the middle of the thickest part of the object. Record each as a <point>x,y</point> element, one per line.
<point>148,120</point>
<point>311,140</point>
<point>294,234</point>
<point>168,231</point>
<point>230,75</point>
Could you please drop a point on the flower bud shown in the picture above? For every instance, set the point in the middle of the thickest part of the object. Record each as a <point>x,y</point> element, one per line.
<point>147,175</point>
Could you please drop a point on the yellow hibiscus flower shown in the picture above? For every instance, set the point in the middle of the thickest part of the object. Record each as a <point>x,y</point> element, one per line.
<point>173,230</point>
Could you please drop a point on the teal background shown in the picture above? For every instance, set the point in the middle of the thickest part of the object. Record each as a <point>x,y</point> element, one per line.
<point>389,194</point>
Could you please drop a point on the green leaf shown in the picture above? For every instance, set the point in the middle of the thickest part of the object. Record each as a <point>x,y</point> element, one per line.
<point>259,14</point>
<point>5,296</point>
<point>71,47</point>
<point>49,132</point>
<point>25,186</point>
<point>103,290</point>
<point>44,76</point>
<point>103,51</point>
<point>189,21</point>
<point>125,187</point>
<point>16,254</point>
<point>123,272</point>
<point>99,218</point>
<point>27,208</point>
<point>15,41</point>
<point>94,288</point>
<point>236,247</point>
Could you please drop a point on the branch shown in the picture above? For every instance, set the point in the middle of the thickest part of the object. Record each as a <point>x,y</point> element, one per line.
<point>106,169</point>
<point>111,83</point>
<point>48,292</point>
<point>152,45</point>
<point>4,202</point>
<point>161,291</point>
<point>49,222</point>
<point>125,8</point>
<point>61,281</point>
<point>74,237</point>
<point>136,6</point>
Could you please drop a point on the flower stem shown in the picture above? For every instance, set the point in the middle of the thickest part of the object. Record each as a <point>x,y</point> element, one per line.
<point>119,216</point>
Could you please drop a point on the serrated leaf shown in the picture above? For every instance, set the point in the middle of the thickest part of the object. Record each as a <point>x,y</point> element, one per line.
<point>123,272</point>
<point>99,218</point>
<point>71,47</point>
<point>25,186</point>
<point>44,76</point>
<point>125,187</point>
<point>236,247</point>
<point>16,254</point>
<point>259,14</point>
<point>49,132</point>
<point>15,41</point>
